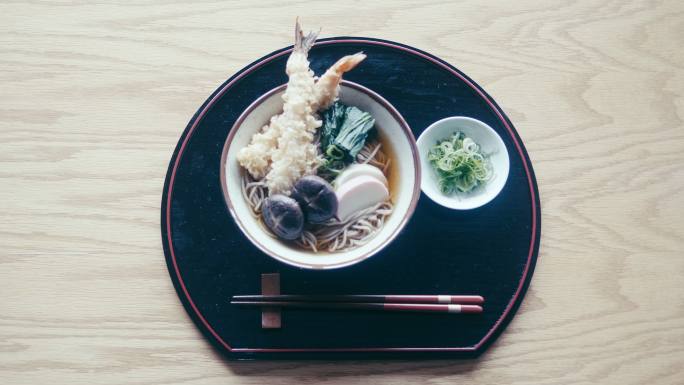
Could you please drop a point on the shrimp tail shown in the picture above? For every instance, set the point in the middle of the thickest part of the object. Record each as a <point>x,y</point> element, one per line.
<point>303,43</point>
<point>348,62</point>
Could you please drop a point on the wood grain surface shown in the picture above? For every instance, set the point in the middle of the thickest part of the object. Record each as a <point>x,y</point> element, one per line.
<point>93,98</point>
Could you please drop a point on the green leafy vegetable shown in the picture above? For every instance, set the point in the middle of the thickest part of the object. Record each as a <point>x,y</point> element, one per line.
<point>332,120</point>
<point>343,134</point>
<point>459,164</point>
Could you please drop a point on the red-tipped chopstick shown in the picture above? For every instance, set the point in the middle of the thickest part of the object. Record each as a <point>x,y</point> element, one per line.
<point>433,299</point>
<point>408,307</point>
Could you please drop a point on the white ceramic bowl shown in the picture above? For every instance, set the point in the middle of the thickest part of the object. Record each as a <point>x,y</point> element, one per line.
<point>490,143</point>
<point>404,178</point>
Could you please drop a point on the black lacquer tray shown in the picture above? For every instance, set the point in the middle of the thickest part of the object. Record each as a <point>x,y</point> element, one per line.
<point>489,251</point>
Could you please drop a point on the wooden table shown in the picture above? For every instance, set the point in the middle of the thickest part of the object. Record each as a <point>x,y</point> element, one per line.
<point>95,96</point>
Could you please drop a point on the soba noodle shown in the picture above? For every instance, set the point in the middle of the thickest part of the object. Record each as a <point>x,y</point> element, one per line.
<point>333,235</point>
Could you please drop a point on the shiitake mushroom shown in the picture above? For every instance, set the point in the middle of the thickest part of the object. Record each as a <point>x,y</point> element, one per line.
<point>316,197</point>
<point>283,216</point>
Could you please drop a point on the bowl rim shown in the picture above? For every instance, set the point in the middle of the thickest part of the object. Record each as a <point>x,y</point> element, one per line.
<point>415,194</point>
<point>500,144</point>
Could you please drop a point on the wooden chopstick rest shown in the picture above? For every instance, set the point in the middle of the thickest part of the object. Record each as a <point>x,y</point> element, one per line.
<point>271,317</point>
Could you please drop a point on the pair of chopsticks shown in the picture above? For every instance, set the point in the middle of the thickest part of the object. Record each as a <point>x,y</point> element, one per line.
<point>466,304</point>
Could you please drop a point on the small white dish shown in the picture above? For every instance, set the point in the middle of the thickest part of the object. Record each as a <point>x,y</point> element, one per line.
<point>490,144</point>
<point>404,177</point>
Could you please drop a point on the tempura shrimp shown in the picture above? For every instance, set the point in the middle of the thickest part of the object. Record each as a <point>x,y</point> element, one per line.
<point>290,131</point>
<point>327,87</point>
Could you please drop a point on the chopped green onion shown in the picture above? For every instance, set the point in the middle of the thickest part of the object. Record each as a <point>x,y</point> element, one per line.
<point>459,164</point>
